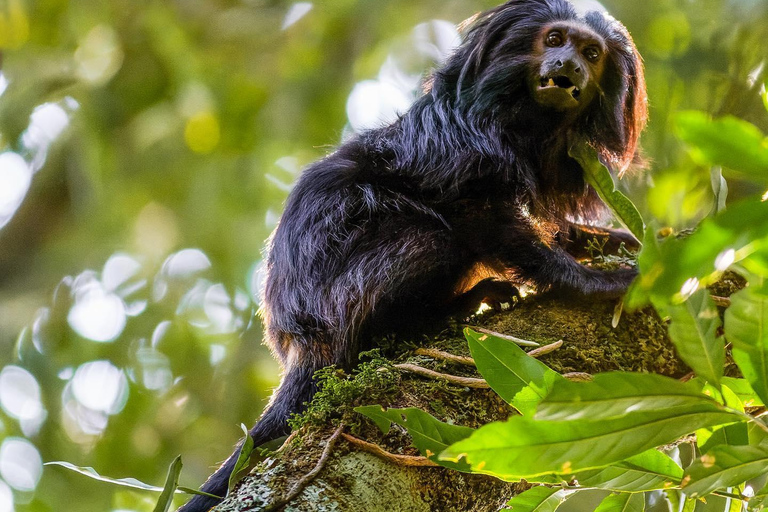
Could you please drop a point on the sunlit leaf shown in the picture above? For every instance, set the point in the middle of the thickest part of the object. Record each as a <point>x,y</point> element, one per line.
<point>724,466</point>
<point>743,391</point>
<point>727,141</point>
<point>746,327</point>
<point>599,177</point>
<point>519,379</point>
<point>91,473</point>
<point>622,503</point>
<point>719,189</point>
<point>430,435</point>
<point>523,447</point>
<point>171,482</point>
<point>647,471</point>
<point>694,332</point>
<point>617,394</point>
<point>538,499</point>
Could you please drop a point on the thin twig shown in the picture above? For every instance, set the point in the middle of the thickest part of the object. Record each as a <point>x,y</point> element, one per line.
<point>445,356</point>
<point>723,302</point>
<point>508,337</point>
<point>403,460</point>
<point>306,479</point>
<point>731,495</point>
<point>469,382</point>
<point>287,441</point>
<point>546,349</point>
<point>578,376</point>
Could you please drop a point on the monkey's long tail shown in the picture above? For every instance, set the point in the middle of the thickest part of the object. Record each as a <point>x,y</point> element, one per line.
<point>295,389</point>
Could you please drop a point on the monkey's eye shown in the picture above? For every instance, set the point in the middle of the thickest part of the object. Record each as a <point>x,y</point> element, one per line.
<point>555,38</point>
<point>591,53</point>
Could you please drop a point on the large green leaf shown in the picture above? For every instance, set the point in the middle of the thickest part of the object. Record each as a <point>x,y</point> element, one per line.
<point>724,466</point>
<point>622,503</point>
<point>538,499</point>
<point>518,378</point>
<point>615,395</point>
<point>727,141</point>
<point>599,178</point>
<point>746,327</point>
<point>430,435</point>
<point>694,332</point>
<point>523,447</point>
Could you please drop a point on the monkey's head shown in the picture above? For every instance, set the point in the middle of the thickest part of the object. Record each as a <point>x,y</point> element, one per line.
<point>543,64</point>
<point>568,66</point>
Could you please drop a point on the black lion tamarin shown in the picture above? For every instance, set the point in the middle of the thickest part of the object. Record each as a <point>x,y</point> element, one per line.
<point>397,224</point>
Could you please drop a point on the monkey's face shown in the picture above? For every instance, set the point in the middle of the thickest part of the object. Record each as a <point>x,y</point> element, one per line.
<point>569,63</point>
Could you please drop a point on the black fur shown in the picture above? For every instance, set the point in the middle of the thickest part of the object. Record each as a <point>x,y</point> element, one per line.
<point>393,226</point>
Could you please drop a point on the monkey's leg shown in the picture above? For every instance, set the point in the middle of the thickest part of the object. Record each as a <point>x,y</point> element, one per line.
<point>579,237</point>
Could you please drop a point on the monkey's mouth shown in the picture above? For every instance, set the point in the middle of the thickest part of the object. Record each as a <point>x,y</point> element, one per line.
<point>560,82</point>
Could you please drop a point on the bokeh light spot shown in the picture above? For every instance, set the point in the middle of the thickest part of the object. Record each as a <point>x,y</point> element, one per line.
<point>186,263</point>
<point>100,386</point>
<point>20,398</point>
<point>296,12</point>
<point>15,179</point>
<point>20,464</point>
<point>202,132</point>
<point>99,55</point>
<point>14,24</point>
<point>97,315</point>
<point>6,498</point>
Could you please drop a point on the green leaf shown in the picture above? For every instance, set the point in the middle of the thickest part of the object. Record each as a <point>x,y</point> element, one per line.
<point>599,178</point>
<point>243,456</point>
<point>519,379</point>
<point>693,330</point>
<point>616,395</point>
<point>746,326</point>
<point>523,447</point>
<point>740,234</point>
<point>759,501</point>
<point>91,473</point>
<point>538,499</point>
<point>430,435</point>
<point>171,482</point>
<point>724,466</point>
<point>727,141</point>
<point>743,390</point>
<point>735,434</point>
<point>719,189</point>
<point>622,503</point>
<point>648,471</point>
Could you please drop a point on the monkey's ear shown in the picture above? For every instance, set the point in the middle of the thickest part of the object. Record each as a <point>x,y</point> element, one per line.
<point>623,108</point>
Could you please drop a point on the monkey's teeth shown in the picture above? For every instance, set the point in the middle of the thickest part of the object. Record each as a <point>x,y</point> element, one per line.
<point>571,89</point>
<point>550,83</point>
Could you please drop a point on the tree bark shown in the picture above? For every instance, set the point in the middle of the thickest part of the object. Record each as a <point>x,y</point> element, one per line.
<point>354,479</point>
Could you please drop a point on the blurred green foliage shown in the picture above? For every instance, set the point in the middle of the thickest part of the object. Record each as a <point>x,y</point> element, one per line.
<point>184,124</point>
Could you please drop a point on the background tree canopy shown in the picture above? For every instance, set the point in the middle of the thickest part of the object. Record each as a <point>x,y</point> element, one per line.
<point>145,151</point>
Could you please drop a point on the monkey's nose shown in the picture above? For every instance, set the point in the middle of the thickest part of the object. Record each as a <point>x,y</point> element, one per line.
<point>569,65</point>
